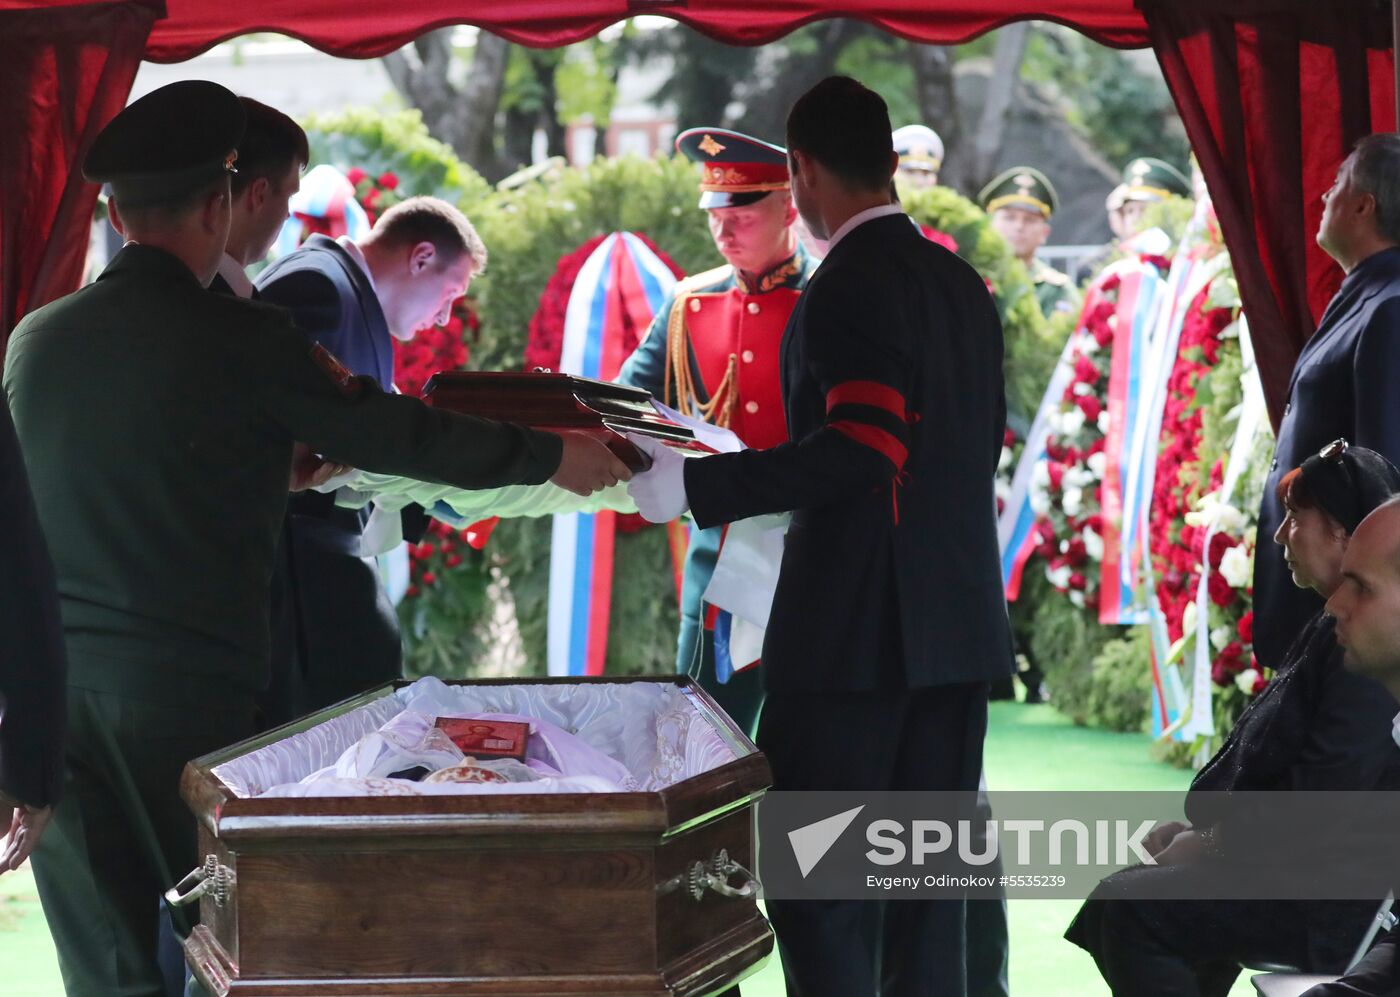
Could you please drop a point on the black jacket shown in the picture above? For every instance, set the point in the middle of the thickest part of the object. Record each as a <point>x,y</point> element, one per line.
<point>1346,383</point>
<point>892,384</point>
<point>31,642</point>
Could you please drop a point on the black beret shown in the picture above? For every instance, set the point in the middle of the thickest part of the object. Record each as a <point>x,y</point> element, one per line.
<point>1349,483</point>
<point>170,142</point>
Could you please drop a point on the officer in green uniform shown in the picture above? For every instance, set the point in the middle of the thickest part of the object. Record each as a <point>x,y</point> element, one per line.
<point>712,352</point>
<point>1021,201</point>
<point>1146,181</point>
<point>157,422</point>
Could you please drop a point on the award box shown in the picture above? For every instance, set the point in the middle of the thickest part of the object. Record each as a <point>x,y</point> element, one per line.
<point>562,402</point>
<point>641,892</point>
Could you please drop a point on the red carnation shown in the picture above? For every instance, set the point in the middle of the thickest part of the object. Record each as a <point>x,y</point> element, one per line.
<point>1220,675</point>
<point>1078,582</point>
<point>1110,283</point>
<point>1077,554</point>
<point>1094,522</point>
<point>428,578</point>
<point>1233,651</point>
<point>1057,473</point>
<point>388,180</point>
<point>1090,406</point>
<point>1219,544</point>
<point>1245,628</point>
<point>1221,592</point>
<point>412,592</point>
<point>1259,683</point>
<point>453,560</point>
<point>1085,371</point>
<point>371,198</point>
<point>355,175</point>
<point>1008,438</point>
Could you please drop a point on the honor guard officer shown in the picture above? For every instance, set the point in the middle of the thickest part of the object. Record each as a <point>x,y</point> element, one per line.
<point>920,153</point>
<point>157,422</point>
<point>1147,181</point>
<point>1021,202</point>
<point>712,352</point>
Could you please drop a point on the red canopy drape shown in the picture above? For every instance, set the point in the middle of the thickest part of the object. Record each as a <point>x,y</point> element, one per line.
<point>64,72</point>
<point>1273,94</point>
<point>366,28</point>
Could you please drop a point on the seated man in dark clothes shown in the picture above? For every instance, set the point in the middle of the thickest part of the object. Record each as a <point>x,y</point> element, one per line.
<point>1316,726</point>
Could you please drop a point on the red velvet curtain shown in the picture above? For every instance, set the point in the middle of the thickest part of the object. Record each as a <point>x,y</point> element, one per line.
<point>366,28</point>
<point>64,72</point>
<point>1273,94</point>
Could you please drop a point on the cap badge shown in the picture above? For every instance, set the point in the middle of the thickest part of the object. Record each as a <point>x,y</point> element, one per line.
<point>710,147</point>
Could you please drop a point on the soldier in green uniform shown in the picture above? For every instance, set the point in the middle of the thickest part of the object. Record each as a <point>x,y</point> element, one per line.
<point>1146,181</point>
<point>157,422</point>
<point>712,352</point>
<point>1021,201</point>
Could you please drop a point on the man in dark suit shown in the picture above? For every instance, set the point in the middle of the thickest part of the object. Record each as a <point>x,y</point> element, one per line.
<point>355,299</point>
<point>31,664</point>
<point>888,622</point>
<point>157,422</point>
<point>1346,383</point>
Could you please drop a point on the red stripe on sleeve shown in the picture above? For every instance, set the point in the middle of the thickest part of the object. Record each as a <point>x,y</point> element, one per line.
<point>875,438</point>
<point>871,393</point>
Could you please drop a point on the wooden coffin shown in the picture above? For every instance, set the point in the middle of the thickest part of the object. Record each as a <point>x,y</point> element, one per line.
<point>584,893</point>
<point>560,402</point>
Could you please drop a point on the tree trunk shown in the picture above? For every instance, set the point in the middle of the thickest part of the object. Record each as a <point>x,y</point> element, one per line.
<point>1006,75</point>
<point>546,70</point>
<point>767,102</point>
<point>465,119</point>
<point>937,96</point>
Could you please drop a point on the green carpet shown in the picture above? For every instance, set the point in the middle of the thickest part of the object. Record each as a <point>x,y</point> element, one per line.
<point>1028,747</point>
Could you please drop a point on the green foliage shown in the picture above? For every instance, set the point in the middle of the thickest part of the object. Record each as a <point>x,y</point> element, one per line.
<point>527,230</point>
<point>881,62</point>
<point>1065,643</point>
<point>586,84</point>
<point>1120,683</point>
<point>1032,344</point>
<point>1122,110</point>
<point>1171,216</point>
<point>396,143</point>
<point>446,628</point>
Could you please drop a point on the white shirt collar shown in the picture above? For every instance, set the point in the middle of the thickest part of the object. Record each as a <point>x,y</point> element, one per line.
<point>1395,729</point>
<point>860,218</point>
<point>235,276</point>
<point>358,255</point>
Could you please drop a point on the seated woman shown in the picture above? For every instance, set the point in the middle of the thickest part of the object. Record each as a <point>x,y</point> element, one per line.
<point>1316,726</point>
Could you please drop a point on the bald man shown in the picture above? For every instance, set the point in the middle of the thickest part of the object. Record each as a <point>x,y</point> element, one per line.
<point>1367,608</point>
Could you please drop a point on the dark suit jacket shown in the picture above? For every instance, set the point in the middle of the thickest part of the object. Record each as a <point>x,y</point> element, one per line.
<point>347,631</point>
<point>32,667</point>
<point>1346,383</point>
<point>159,420</point>
<point>892,382</point>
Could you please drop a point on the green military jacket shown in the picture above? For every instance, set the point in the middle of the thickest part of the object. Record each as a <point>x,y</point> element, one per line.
<point>157,423</point>
<point>1053,289</point>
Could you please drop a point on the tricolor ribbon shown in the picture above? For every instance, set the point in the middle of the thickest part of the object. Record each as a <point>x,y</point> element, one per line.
<point>328,195</point>
<point>1138,290</point>
<point>619,288</point>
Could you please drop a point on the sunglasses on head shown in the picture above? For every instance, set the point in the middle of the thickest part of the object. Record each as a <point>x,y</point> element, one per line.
<point>1334,450</point>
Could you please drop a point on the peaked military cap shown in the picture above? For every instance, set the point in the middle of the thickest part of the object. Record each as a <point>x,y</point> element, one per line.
<point>1149,179</point>
<point>919,148</point>
<point>1021,187</point>
<point>168,143</point>
<point>735,169</point>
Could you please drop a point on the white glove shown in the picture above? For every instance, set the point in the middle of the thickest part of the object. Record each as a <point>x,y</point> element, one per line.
<point>658,491</point>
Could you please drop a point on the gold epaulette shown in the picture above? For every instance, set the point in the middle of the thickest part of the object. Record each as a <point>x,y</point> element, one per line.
<point>700,281</point>
<point>717,410</point>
